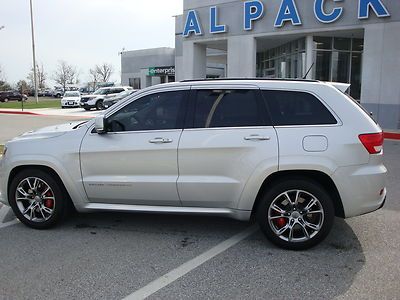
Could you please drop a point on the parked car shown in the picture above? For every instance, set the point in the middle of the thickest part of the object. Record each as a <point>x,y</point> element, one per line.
<point>12,95</point>
<point>71,99</point>
<point>96,99</point>
<point>293,154</point>
<point>108,102</point>
<point>57,93</point>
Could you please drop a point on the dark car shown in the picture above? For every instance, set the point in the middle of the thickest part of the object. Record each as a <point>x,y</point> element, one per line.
<point>12,95</point>
<point>114,99</point>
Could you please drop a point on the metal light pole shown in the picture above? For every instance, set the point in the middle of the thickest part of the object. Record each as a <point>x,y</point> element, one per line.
<point>34,56</point>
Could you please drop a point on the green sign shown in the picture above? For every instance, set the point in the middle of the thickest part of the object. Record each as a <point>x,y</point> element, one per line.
<point>162,71</point>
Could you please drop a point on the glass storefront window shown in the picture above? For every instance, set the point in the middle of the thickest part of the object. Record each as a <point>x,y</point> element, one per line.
<point>339,59</point>
<point>356,65</point>
<point>323,65</point>
<point>340,66</point>
<point>285,61</point>
<point>358,45</point>
<point>322,42</point>
<point>342,44</point>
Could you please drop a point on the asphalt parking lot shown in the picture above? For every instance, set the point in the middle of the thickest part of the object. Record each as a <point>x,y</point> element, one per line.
<point>111,256</point>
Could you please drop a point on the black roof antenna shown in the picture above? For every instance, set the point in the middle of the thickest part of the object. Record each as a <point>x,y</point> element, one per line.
<point>309,70</point>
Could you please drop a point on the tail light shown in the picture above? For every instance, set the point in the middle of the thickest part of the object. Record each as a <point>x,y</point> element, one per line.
<point>373,142</point>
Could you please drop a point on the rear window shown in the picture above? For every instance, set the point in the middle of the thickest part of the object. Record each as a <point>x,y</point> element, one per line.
<point>297,108</point>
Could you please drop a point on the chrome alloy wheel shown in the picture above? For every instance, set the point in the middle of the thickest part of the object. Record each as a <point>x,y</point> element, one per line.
<point>35,199</point>
<point>296,216</point>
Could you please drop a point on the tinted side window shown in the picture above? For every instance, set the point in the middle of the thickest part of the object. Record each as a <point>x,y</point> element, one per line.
<point>117,91</point>
<point>297,108</point>
<point>159,111</point>
<point>226,108</point>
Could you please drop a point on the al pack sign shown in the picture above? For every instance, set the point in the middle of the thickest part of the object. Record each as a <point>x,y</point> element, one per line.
<point>162,71</point>
<point>253,11</point>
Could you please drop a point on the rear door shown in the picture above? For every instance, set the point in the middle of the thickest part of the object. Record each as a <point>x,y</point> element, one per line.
<point>226,138</point>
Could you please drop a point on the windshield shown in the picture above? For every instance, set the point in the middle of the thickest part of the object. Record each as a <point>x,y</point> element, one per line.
<point>71,94</point>
<point>101,92</point>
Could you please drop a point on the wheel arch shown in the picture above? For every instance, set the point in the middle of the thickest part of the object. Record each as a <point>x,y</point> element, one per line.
<point>322,178</point>
<point>43,168</point>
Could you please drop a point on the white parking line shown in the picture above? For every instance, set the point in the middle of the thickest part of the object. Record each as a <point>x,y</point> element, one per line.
<point>188,266</point>
<point>3,212</point>
<point>13,222</point>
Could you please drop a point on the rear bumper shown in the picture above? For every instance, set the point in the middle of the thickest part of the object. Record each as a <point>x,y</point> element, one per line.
<point>362,188</point>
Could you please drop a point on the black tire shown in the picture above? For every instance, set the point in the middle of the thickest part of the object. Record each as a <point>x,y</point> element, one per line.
<point>61,205</point>
<point>86,108</point>
<point>99,105</point>
<point>5,100</point>
<point>310,188</point>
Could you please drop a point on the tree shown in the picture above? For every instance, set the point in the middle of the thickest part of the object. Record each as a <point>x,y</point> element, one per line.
<point>94,77</point>
<point>104,72</point>
<point>4,86</point>
<point>65,74</point>
<point>23,87</point>
<point>41,77</point>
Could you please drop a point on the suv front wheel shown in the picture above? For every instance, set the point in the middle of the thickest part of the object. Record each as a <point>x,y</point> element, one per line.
<point>37,199</point>
<point>296,214</point>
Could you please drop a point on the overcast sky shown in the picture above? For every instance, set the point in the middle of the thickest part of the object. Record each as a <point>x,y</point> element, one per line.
<point>82,32</point>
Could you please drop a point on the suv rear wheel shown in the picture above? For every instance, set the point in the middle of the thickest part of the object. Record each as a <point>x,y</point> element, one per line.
<point>5,100</point>
<point>296,214</point>
<point>37,199</point>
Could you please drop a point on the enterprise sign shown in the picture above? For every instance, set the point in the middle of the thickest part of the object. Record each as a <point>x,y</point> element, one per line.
<point>253,11</point>
<point>162,71</point>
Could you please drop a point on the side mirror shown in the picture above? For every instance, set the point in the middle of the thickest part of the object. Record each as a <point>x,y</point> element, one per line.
<point>100,124</point>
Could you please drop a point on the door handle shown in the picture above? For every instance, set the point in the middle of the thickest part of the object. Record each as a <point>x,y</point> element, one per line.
<point>160,140</point>
<point>256,138</point>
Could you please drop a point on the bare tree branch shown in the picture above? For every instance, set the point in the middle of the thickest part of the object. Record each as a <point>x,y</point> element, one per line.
<point>65,74</point>
<point>41,77</point>
<point>104,72</point>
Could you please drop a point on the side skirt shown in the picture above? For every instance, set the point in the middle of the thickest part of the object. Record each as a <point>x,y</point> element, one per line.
<point>242,215</point>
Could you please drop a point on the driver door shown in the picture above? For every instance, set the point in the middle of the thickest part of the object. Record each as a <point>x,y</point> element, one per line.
<point>135,162</point>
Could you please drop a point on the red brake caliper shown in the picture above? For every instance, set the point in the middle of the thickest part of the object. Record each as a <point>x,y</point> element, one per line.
<point>280,223</point>
<point>49,203</point>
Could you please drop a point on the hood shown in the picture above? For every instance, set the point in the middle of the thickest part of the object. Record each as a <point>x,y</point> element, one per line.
<point>51,131</point>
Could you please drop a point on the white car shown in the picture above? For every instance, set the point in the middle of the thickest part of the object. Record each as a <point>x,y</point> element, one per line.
<point>96,99</point>
<point>293,154</point>
<point>71,99</point>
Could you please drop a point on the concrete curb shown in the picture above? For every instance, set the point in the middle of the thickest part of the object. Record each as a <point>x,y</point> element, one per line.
<point>391,135</point>
<point>29,113</point>
<point>13,112</point>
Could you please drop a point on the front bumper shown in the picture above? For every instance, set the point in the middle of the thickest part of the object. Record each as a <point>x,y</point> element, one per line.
<point>3,182</point>
<point>69,104</point>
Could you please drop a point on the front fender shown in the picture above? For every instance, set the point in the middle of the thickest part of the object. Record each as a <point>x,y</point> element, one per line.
<point>68,173</point>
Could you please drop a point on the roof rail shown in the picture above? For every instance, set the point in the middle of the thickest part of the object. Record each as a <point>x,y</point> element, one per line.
<point>250,78</point>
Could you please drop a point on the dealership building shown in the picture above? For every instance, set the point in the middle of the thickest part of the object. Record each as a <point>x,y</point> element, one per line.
<point>350,41</point>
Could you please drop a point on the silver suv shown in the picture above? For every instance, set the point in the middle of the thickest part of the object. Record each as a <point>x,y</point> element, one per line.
<point>292,154</point>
